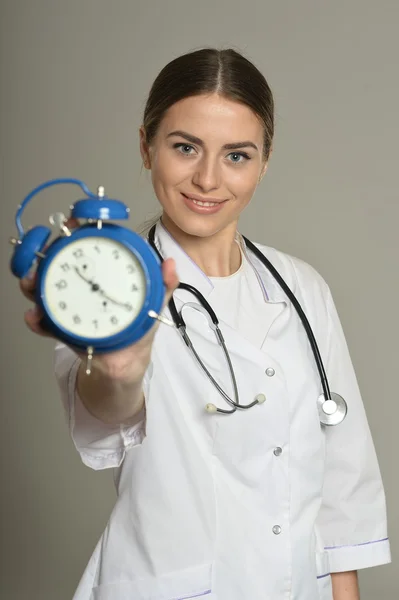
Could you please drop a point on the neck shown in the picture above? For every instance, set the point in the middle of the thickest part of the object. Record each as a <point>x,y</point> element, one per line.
<point>217,255</point>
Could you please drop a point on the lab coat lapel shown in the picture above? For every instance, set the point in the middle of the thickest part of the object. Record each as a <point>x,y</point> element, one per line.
<point>253,315</point>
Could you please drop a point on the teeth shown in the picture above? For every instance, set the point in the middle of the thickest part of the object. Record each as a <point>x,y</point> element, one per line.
<point>203,203</point>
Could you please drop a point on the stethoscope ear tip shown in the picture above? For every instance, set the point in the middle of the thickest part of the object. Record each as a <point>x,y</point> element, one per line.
<point>210,408</point>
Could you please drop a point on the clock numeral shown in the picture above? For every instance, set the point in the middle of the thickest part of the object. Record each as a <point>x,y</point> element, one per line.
<point>65,267</point>
<point>129,307</point>
<point>115,253</point>
<point>61,284</point>
<point>62,305</point>
<point>77,319</point>
<point>130,269</point>
<point>78,253</point>
<point>97,248</point>
<point>114,320</point>
<point>95,323</point>
<point>135,288</point>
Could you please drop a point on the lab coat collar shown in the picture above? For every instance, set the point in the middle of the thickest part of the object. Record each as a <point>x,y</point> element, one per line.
<point>271,290</point>
<point>189,272</point>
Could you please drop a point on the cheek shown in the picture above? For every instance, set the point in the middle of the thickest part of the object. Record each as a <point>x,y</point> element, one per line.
<point>243,183</point>
<point>168,170</point>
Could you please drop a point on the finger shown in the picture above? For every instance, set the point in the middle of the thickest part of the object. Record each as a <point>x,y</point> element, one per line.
<point>170,277</point>
<point>171,282</point>
<point>27,286</point>
<point>169,274</point>
<point>33,318</point>
<point>72,223</point>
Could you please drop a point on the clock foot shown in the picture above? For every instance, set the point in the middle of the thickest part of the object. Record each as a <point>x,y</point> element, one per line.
<point>89,359</point>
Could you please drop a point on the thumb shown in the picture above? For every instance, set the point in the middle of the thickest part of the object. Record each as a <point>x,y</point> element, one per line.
<point>170,278</point>
<point>171,282</point>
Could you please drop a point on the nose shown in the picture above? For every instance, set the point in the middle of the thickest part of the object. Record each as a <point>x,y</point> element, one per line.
<point>207,174</point>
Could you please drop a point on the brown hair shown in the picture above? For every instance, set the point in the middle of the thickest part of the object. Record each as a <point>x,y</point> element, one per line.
<point>207,71</point>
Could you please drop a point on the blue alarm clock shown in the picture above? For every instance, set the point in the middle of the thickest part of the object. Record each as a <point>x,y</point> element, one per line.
<point>100,285</point>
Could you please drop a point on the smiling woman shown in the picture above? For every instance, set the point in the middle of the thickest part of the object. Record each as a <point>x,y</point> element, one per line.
<point>207,143</point>
<point>269,502</point>
<point>206,167</point>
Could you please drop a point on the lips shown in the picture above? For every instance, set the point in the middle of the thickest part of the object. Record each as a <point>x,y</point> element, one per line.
<point>204,200</point>
<point>201,205</point>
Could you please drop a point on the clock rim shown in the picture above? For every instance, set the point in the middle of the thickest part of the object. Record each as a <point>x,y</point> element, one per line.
<point>153,299</point>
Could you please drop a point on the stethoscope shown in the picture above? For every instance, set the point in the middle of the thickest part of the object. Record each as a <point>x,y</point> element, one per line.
<point>331,406</point>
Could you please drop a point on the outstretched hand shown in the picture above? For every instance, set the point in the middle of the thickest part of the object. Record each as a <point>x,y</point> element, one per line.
<point>130,362</point>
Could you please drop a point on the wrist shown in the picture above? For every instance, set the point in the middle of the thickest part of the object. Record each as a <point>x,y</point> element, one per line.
<point>112,400</point>
<point>114,370</point>
<point>111,377</point>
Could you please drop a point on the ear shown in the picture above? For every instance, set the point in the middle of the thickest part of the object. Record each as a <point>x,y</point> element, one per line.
<point>263,171</point>
<point>265,165</point>
<point>144,149</point>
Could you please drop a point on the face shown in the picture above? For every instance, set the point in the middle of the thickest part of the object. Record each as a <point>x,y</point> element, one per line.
<point>206,161</point>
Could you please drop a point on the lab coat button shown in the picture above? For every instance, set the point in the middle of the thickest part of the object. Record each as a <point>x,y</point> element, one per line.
<point>260,398</point>
<point>270,372</point>
<point>278,451</point>
<point>277,530</point>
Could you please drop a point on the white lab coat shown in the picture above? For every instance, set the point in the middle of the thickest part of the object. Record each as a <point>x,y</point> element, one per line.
<point>263,504</point>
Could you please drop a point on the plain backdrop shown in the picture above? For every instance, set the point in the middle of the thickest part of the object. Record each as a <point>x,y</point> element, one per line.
<point>74,79</point>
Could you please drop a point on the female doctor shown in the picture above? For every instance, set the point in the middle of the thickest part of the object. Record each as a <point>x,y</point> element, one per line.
<point>263,503</point>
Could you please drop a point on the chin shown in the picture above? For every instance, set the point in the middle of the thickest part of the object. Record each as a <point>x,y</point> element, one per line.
<point>197,226</point>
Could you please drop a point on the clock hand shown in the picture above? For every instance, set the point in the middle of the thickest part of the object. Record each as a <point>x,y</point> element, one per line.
<point>124,304</point>
<point>96,288</point>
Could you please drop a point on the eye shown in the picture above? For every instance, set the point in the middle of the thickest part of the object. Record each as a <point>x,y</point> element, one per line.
<point>239,157</point>
<point>184,148</point>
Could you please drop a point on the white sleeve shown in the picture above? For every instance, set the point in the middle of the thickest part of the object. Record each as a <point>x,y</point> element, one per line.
<point>101,446</point>
<point>353,517</point>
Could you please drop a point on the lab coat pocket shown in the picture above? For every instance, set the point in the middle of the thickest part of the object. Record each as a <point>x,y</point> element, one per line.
<point>193,582</point>
<point>324,583</point>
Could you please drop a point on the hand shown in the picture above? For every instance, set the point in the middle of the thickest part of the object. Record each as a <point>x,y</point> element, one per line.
<point>27,285</point>
<point>128,364</point>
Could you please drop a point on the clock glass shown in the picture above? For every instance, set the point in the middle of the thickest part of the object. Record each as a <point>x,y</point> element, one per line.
<point>94,287</point>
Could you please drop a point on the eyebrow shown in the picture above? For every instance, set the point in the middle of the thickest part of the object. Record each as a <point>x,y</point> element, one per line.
<point>195,140</point>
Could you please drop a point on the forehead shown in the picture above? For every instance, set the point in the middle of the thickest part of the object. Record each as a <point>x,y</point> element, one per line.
<point>213,118</point>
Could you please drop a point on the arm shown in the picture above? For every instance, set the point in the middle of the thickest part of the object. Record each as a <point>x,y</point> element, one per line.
<point>353,518</point>
<point>112,400</point>
<point>101,444</point>
<point>106,410</point>
<point>113,392</point>
<point>345,586</point>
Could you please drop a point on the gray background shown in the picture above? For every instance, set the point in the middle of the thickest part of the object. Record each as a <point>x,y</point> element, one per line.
<point>74,79</point>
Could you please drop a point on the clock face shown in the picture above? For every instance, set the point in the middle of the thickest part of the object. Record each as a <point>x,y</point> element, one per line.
<point>94,287</point>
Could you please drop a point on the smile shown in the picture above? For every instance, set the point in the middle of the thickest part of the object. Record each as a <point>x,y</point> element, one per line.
<point>203,203</point>
<point>203,206</point>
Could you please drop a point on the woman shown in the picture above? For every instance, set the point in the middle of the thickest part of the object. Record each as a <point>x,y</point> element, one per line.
<point>260,503</point>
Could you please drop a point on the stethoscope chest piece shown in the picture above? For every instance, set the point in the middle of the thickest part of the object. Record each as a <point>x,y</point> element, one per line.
<point>332,412</point>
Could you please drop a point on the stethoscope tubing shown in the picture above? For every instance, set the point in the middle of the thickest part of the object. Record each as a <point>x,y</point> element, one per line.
<point>301,314</point>
<point>180,324</point>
